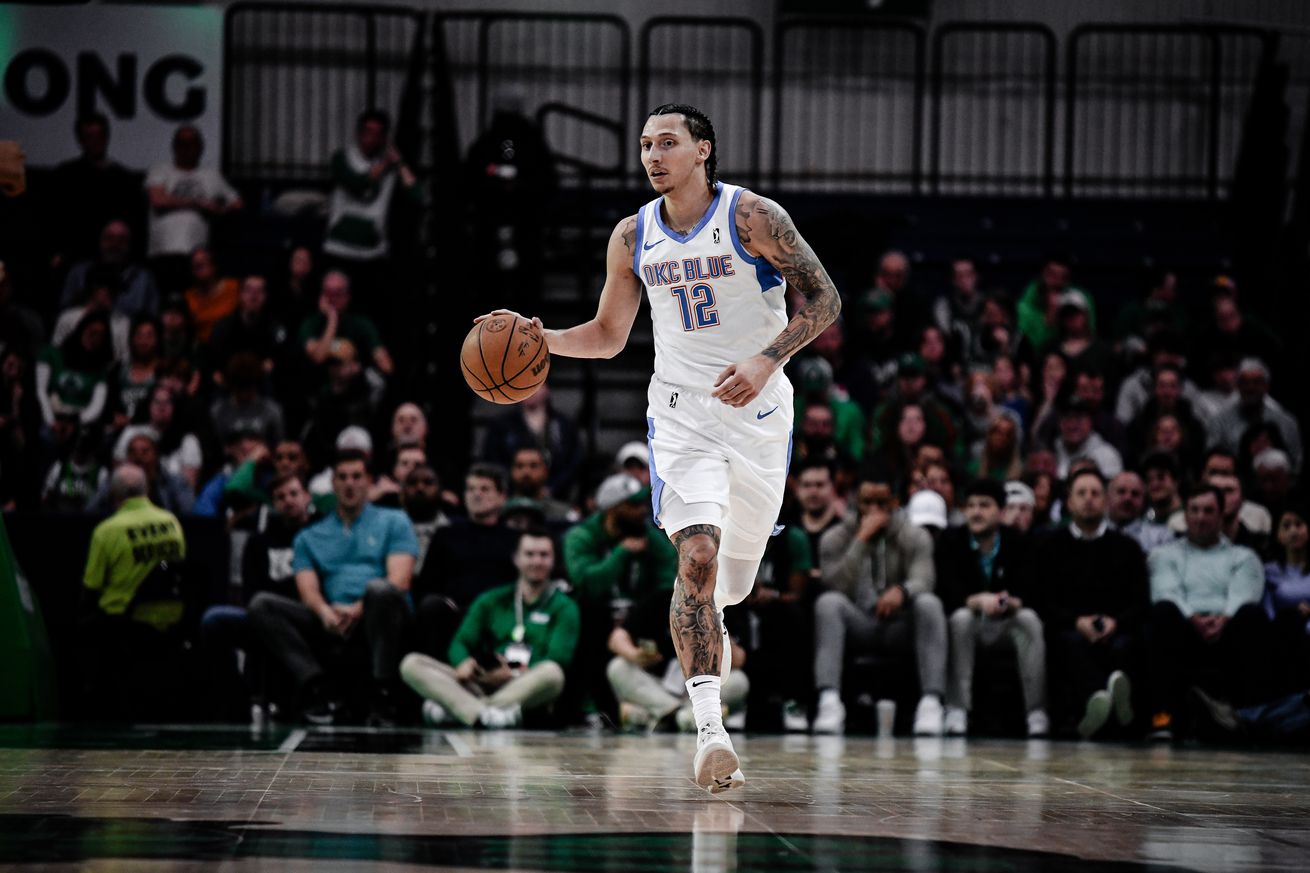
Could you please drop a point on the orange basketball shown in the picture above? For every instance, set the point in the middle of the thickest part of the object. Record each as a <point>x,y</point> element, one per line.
<point>505,358</point>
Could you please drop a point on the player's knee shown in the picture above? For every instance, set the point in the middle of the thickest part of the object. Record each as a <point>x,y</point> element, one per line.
<point>698,550</point>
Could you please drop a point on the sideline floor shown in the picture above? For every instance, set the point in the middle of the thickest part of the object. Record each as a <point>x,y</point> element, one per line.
<point>326,800</point>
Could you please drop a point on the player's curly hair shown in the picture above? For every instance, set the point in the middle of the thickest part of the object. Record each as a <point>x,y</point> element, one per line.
<point>701,128</point>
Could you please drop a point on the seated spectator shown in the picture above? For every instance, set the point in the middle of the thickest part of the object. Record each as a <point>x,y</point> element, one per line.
<point>815,383</point>
<point>1163,502</point>
<point>102,189</point>
<point>139,445</point>
<point>936,476</point>
<point>1167,400</point>
<point>244,408</point>
<point>250,483</point>
<point>1165,348</point>
<point>322,333</point>
<point>1020,505</point>
<point>1235,332</point>
<point>899,451</point>
<point>1252,406</point>
<point>1085,385</point>
<point>210,297</point>
<point>179,447</point>
<point>1078,440</point>
<point>134,605</point>
<point>75,478</point>
<point>646,677</point>
<point>176,341</point>
<point>1074,336</point>
<point>97,296</point>
<point>1040,304</point>
<point>1287,592</point>
<point>184,198</point>
<point>510,652</point>
<point>872,335</point>
<point>999,456</point>
<point>295,291</point>
<point>71,377</point>
<point>1159,308</point>
<point>1222,390</point>
<point>815,441</point>
<point>321,486</point>
<point>1221,462</point>
<point>1127,513</point>
<point>1233,528</point>
<point>1206,614</point>
<point>421,500</point>
<point>346,401</point>
<point>614,557</point>
<point>912,388</point>
<point>137,297</point>
<point>528,475</point>
<point>251,328</point>
<point>986,582</point>
<point>1094,607</point>
<point>409,427</point>
<point>634,459</point>
<point>266,561</point>
<point>1274,483</point>
<point>851,374</point>
<point>820,508</point>
<point>133,379</point>
<point>20,422</point>
<point>387,489</point>
<point>467,558</point>
<point>927,509</point>
<point>879,576</point>
<point>956,311</point>
<point>534,422</point>
<point>353,568</point>
<point>239,446</point>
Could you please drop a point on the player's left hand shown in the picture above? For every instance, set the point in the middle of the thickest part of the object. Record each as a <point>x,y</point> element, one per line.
<point>741,383</point>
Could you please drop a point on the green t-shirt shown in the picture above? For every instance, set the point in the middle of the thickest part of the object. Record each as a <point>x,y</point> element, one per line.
<point>74,387</point>
<point>361,332</point>
<point>550,626</point>
<point>125,549</point>
<point>601,568</point>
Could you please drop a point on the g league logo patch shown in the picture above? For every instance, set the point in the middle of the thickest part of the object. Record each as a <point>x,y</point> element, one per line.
<point>716,236</point>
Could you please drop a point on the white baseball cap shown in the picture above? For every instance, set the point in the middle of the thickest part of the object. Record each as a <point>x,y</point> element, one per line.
<point>927,509</point>
<point>633,451</point>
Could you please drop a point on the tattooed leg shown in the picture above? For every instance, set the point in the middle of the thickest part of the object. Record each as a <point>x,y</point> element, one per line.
<point>693,618</point>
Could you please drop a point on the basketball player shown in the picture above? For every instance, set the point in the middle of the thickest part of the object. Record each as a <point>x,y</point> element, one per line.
<point>714,260</point>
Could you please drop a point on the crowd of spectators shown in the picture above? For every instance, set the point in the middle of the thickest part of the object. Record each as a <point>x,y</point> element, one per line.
<point>987,489</point>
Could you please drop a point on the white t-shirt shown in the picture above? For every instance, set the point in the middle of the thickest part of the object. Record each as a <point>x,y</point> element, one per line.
<point>181,231</point>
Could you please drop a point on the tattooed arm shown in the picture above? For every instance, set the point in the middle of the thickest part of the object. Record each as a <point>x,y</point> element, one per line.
<point>766,230</point>
<point>607,333</point>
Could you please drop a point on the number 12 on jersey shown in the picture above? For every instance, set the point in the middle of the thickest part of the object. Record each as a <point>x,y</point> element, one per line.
<point>697,306</point>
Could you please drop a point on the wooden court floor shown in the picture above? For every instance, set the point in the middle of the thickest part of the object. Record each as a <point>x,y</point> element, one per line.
<point>183,798</point>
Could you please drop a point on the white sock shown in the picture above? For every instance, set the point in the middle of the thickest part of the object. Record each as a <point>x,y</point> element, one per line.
<point>706,704</point>
<point>829,695</point>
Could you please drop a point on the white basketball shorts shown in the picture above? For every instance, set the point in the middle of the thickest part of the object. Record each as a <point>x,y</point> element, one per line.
<point>712,455</point>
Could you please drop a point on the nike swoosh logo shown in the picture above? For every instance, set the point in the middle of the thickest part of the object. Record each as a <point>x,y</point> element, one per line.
<point>760,415</point>
<point>699,684</point>
<point>649,246</point>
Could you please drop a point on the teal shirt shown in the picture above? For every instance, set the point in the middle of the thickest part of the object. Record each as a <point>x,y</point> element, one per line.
<point>347,559</point>
<point>550,626</point>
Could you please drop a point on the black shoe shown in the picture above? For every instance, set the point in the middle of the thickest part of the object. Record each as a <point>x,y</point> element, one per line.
<point>381,711</point>
<point>317,706</point>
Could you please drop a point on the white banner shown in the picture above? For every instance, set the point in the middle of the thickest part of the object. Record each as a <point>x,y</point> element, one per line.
<point>148,68</point>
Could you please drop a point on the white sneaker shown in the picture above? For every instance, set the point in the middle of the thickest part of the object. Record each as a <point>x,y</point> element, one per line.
<point>1095,715</point>
<point>928,717</point>
<point>831,715</point>
<point>501,717</point>
<point>434,713</point>
<point>1038,724</point>
<point>716,767</point>
<point>957,721</point>
<point>1121,695</point>
<point>793,718</point>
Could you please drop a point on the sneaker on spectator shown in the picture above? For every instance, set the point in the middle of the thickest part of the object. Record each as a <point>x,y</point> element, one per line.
<point>1215,719</point>
<point>928,717</point>
<point>1039,725</point>
<point>258,716</point>
<point>831,715</point>
<point>1121,695</point>
<point>1095,715</point>
<point>794,719</point>
<point>1162,724</point>
<point>434,714</point>
<point>957,721</point>
<point>381,711</point>
<point>501,717</point>
<point>735,721</point>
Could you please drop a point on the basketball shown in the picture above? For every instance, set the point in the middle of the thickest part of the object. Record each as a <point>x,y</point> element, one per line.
<point>505,358</point>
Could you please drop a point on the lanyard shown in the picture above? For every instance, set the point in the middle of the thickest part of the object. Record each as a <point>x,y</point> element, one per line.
<point>517,634</point>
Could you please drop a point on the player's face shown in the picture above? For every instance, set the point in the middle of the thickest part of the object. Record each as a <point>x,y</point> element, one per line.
<point>669,154</point>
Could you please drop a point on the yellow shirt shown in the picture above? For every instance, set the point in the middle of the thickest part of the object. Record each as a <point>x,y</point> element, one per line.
<point>125,549</point>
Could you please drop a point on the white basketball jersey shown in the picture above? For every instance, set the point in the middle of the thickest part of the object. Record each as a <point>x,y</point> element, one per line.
<point>711,303</point>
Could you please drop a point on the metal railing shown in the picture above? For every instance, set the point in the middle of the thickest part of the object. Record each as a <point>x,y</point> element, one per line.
<point>296,76</point>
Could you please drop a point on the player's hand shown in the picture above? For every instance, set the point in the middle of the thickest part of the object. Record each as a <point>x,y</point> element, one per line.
<point>509,312</point>
<point>890,602</point>
<point>741,383</point>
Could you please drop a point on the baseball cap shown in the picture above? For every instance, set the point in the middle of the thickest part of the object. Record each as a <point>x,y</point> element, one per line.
<point>909,364</point>
<point>633,451</point>
<point>355,437</point>
<point>1019,494</point>
<point>1073,300</point>
<point>876,300</point>
<point>814,374</point>
<point>525,506</point>
<point>617,489</point>
<point>926,509</point>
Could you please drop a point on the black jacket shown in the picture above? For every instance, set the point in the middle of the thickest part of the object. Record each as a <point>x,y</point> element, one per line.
<point>959,574</point>
<point>1104,576</point>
